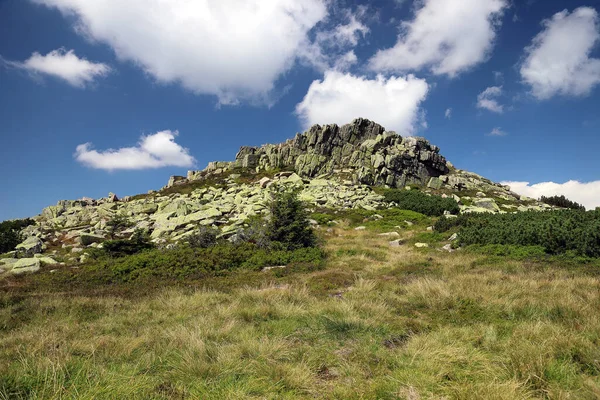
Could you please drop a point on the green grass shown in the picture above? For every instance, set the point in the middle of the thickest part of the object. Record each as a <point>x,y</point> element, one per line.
<point>378,322</point>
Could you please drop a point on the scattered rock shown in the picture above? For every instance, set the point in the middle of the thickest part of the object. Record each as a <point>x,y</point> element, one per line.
<point>453,237</point>
<point>360,228</point>
<point>25,265</point>
<point>87,239</point>
<point>488,204</point>
<point>388,234</point>
<point>448,248</point>
<point>271,268</point>
<point>396,243</point>
<point>264,182</point>
<point>408,223</point>
<point>421,245</point>
<point>32,245</point>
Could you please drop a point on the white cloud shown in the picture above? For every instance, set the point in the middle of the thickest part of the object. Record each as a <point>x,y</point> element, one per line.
<point>488,99</point>
<point>333,48</point>
<point>64,65</point>
<point>448,113</point>
<point>497,132</point>
<point>447,36</point>
<point>153,151</point>
<point>340,97</point>
<point>558,60</point>
<point>344,34</point>
<point>585,193</point>
<point>234,49</point>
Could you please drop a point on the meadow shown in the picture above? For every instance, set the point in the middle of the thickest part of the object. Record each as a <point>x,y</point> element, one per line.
<point>373,322</point>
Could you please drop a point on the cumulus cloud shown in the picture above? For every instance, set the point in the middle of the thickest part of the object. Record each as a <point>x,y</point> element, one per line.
<point>447,36</point>
<point>558,60</point>
<point>340,97</point>
<point>497,132</point>
<point>488,99</point>
<point>64,65</point>
<point>153,151</point>
<point>234,49</point>
<point>448,113</point>
<point>585,193</point>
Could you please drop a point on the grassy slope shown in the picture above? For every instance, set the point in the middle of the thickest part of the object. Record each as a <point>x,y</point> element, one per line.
<point>378,322</point>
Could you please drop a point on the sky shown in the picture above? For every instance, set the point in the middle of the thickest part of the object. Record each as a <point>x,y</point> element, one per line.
<point>109,96</point>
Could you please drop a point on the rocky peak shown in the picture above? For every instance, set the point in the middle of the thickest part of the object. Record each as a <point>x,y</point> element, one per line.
<point>363,149</point>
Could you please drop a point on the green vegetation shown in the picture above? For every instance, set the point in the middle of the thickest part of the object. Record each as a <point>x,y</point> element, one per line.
<point>421,202</point>
<point>116,224</point>
<point>560,231</point>
<point>139,241</point>
<point>288,223</point>
<point>194,263</point>
<point>203,237</point>
<point>376,323</point>
<point>502,318</point>
<point>384,220</point>
<point>561,201</point>
<point>9,233</point>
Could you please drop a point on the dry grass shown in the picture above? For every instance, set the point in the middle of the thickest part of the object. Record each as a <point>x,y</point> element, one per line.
<point>378,323</point>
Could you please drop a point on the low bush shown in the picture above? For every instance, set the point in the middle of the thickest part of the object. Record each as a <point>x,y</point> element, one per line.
<point>561,201</point>
<point>138,242</point>
<point>187,262</point>
<point>203,237</point>
<point>557,232</point>
<point>10,235</point>
<point>421,202</point>
<point>507,250</point>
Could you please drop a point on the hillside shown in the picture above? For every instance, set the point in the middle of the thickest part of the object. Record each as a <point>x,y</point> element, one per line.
<point>346,263</point>
<point>333,167</point>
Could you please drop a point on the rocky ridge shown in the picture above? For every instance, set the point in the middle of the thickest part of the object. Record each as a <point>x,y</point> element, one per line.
<point>332,167</point>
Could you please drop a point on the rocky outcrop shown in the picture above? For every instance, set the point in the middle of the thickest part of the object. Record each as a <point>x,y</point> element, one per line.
<point>362,150</point>
<point>332,167</point>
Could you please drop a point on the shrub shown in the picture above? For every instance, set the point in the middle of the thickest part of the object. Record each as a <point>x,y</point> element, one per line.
<point>255,233</point>
<point>139,241</point>
<point>420,202</point>
<point>10,235</point>
<point>288,223</point>
<point>116,224</point>
<point>203,237</point>
<point>444,224</point>
<point>558,231</point>
<point>561,201</point>
<point>185,262</point>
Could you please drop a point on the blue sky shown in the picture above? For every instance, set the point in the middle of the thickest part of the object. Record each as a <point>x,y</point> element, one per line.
<point>110,96</point>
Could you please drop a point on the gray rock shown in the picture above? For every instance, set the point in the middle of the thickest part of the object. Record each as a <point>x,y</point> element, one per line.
<point>30,246</point>
<point>87,239</point>
<point>264,182</point>
<point>488,204</point>
<point>390,234</point>
<point>25,265</point>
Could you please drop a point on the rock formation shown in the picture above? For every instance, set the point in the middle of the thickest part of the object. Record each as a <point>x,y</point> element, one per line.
<point>332,167</point>
<point>362,149</point>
